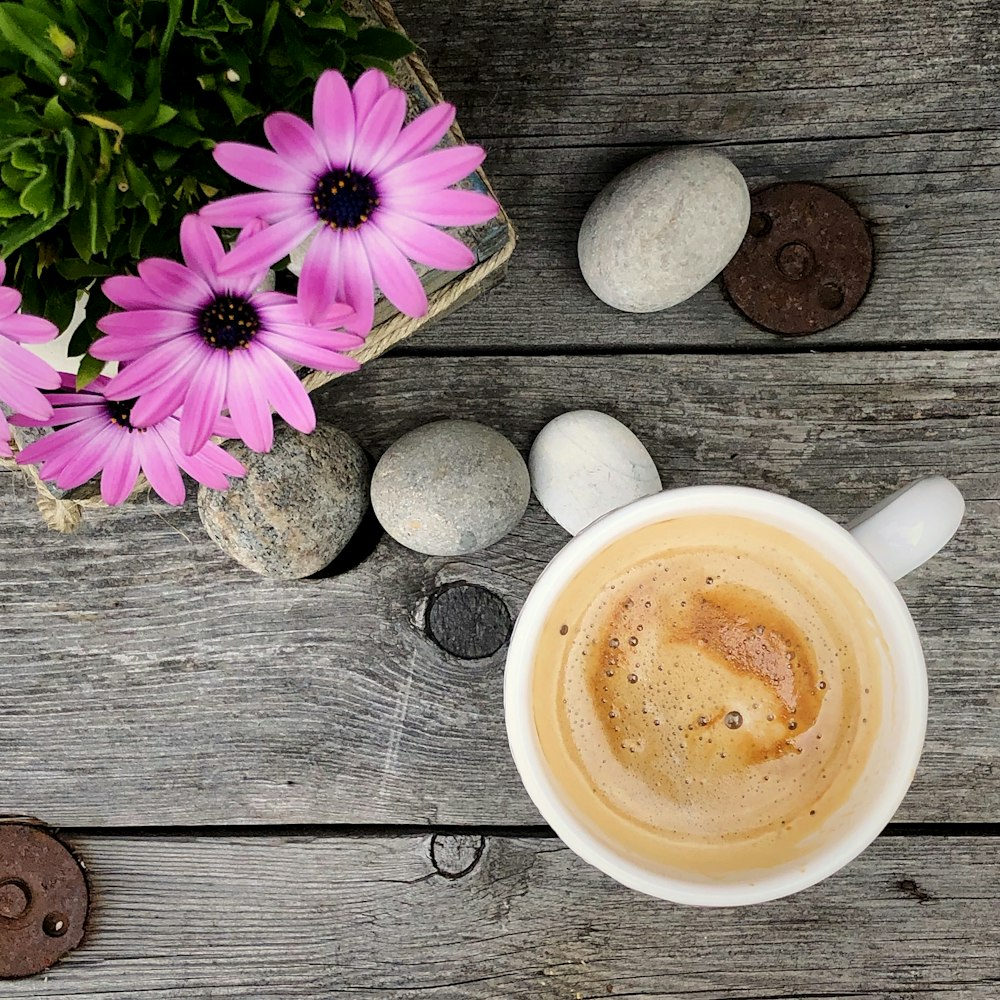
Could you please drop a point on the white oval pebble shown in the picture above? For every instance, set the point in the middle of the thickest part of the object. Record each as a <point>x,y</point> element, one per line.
<point>584,464</point>
<point>663,229</point>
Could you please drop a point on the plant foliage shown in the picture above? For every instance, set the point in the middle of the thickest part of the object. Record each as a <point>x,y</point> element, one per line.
<point>109,110</point>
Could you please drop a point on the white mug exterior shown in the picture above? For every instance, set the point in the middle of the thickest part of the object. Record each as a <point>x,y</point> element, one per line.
<point>893,758</point>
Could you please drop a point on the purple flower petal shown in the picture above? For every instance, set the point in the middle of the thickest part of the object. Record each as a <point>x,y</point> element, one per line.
<point>156,405</point>
<point>333,340</point>
<point>130,293</point>
<point>309,354</point>
<point>27,329</point>
<point>267,247</point>
<point>318,285</point>
<point>420,136</point>
<point>90,456</point>
<point>295,141</point>
<point>333,117</point>
<point>240,209</point>
<point>368,88</point>
<point>358,288</point>
<point>247,405</point>
<point>166,363</point>
<point>202,405</point>
<point>450,207</point>
<point>21,396</point>
<point>285,392</point>
<point>10,302</point>
<point>201,247</point>
<point>175,283</point>
<point>432,171</point>
<point>260,168</point>
<point>160,466</point>
<point>121,471</point>
<point>425,244</point>
<point>394,274</point>
<point>147,322</point>
<point>28,366</point>
<point>62,415</point>
<point>54,452</point>
<point>211,466</point>
<point>380,130</point>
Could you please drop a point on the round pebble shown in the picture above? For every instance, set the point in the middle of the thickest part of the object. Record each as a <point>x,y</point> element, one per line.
<point>584,464</point>
<point>663,229</point>
<point>297,507</point>
<point>450,487</point>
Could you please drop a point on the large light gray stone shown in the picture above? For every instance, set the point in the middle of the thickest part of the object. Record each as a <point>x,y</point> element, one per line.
<point>663,229</point>
<point>450,487</point>
<point>297,507</point>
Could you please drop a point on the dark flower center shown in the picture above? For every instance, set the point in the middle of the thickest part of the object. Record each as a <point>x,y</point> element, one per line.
<point>344,199</point>
<point>228,322</point>
<point>120,411</point>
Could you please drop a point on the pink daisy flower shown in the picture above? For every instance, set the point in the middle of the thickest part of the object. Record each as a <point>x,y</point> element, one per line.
<point>370,190</point>
<point>22,374</point>
<point>99,436</point>
<point>202,342</point>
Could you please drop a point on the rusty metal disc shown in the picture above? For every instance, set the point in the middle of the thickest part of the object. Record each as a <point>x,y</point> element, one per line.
<point>43,900</point>
<point>806,261</point>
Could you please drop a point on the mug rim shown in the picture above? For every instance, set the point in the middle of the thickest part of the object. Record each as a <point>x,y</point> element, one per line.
<point>898,629</point>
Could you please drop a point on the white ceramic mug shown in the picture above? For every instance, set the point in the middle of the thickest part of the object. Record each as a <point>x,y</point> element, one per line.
<point>881,546</point>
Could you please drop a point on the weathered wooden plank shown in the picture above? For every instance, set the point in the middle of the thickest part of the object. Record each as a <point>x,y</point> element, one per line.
<point>931,200</point>
<point>474,918</point>
<point>724,70</point>
<point>893,104</point>
<point>147,680</point>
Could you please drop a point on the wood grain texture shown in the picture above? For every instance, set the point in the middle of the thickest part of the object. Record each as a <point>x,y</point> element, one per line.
<point>147,680</point>
<point>279,919</point>
<point>891,104</point>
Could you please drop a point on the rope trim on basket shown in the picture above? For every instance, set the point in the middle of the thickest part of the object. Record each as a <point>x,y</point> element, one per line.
<point>64,514</point>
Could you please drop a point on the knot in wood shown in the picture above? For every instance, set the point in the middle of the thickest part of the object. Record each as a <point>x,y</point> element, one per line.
<point>455,855</point>
<point>468,621</point>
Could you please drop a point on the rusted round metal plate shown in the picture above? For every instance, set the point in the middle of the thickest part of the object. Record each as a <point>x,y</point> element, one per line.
<point>43,900</point>
<point>806,261</point>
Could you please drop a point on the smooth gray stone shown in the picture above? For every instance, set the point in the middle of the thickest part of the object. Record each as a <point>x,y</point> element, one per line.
<point>298,506</point>
<point>450,487</point>
<point>663,229</point>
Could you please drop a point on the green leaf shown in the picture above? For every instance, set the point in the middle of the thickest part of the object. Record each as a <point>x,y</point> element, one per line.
<point>267,25</point>
<point>10,206</point>
<point>83,227</point>
<point>233,15</point>
<point>55,115</point>
<point>241,108</point>
<point>90,368</point>
<point>384,44</point>
<point>74,270</point>
<point>39,196</point>
<point>16,234</point>
<point>142,188</point>
<point>372,62</point>
<point>21,27</point>
<point>176,8</point>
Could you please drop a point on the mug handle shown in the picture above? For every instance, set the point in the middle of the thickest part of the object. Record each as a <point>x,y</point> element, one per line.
<point>906,529</point>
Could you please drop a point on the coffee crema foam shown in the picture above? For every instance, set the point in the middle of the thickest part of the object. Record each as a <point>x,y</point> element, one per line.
<point>706,691</point>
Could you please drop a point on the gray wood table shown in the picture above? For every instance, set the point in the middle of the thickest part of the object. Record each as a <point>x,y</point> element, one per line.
<point>289,791</point>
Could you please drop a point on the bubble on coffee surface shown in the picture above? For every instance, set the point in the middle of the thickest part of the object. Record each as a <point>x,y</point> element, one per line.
<point>733,720</point>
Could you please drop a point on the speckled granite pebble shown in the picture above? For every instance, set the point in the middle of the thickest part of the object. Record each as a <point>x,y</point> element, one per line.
<point>450,487</point>
<point>298,506</point>
<point>663,229</point>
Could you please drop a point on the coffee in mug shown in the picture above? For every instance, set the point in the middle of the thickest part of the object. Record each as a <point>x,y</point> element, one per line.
<point>706,692</point>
